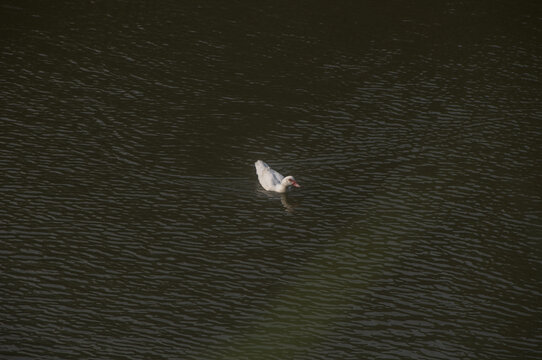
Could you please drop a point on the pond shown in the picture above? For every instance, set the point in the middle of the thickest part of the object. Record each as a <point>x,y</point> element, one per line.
<point>134,225</point>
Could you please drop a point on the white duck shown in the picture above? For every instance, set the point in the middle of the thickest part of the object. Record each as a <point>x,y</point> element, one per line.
<point>272,180</point>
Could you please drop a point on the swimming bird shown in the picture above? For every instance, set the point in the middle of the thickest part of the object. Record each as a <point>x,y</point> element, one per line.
<point>272,180</point>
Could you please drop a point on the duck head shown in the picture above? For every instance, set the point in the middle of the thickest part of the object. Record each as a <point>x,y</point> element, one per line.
<point>290,181</point>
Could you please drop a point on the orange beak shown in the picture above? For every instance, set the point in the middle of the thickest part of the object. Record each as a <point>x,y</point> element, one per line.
<point>295,184</point>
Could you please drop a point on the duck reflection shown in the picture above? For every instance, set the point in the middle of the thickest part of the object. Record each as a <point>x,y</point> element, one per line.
<point>288,203</point>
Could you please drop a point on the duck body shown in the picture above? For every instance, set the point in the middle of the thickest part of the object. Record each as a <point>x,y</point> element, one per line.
<point>271,180</point>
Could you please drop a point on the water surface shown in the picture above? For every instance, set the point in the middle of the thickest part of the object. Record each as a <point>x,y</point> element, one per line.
<point>133,225</point>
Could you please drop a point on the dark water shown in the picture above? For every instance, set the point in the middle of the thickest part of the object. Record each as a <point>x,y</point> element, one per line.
<point>133,225</point>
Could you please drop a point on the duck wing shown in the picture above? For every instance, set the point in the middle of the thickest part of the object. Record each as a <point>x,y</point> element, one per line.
<point>268,177</point>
